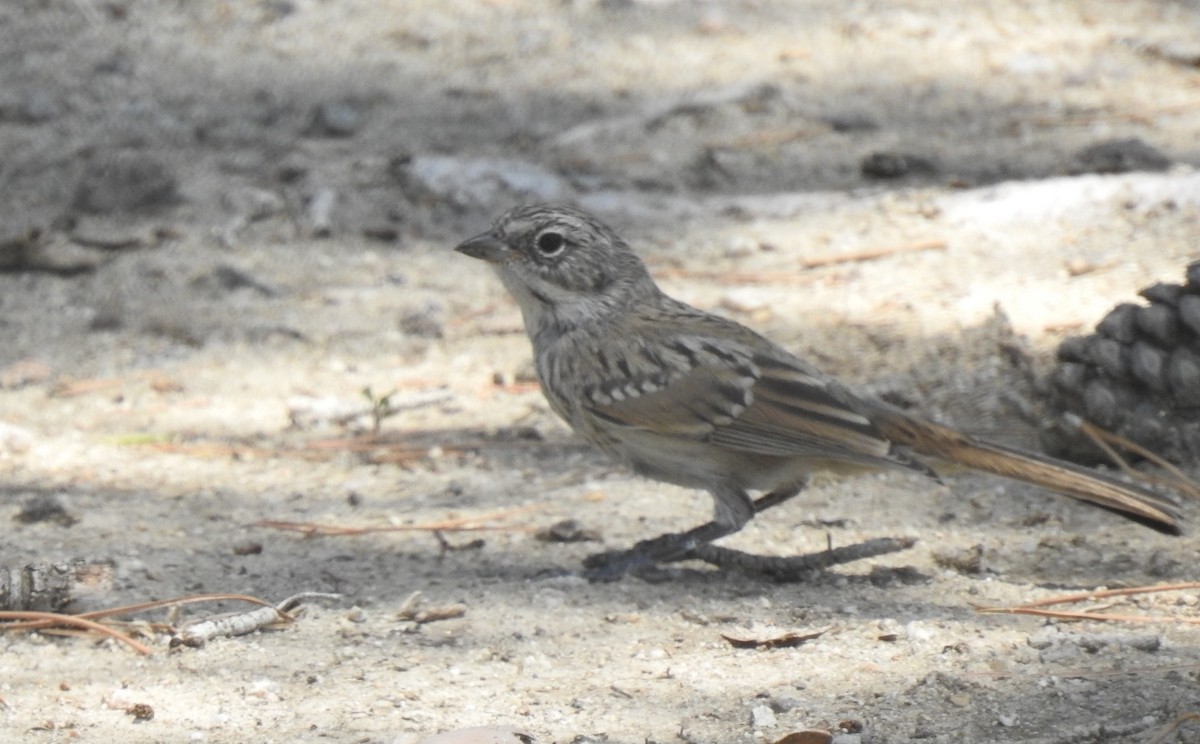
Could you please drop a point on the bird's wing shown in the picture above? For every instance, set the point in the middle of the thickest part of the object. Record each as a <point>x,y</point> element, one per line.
<point>747,400</point>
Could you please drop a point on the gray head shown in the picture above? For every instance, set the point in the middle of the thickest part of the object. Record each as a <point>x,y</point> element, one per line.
<point>562,265</point>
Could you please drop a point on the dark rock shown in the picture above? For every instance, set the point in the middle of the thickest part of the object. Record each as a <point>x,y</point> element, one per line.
<point>889,165</point>
<point>1121,156</point>
<point>125,181</point>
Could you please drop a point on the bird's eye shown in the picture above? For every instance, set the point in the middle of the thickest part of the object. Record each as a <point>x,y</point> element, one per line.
<point>550,243</point>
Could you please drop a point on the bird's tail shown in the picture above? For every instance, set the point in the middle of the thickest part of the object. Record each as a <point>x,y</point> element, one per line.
<point>1093,486</point>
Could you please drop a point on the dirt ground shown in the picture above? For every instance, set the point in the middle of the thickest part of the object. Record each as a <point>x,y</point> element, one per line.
<point>221,222</point>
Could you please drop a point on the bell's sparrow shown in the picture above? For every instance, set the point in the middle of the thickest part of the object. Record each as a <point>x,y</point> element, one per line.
<point>690,398</point>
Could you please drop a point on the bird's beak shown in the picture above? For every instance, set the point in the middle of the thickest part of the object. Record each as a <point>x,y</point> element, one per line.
<point>486,247</point>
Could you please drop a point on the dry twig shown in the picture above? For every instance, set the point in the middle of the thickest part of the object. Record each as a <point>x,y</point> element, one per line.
<point>433,614</point>
<point>243,623</point>
<point>143,607</point>
<point>873,254</point>
<point>1104,439</point>
<point>781,275</point>
<point>1037,608</point>
<point>56,618</point>
<point>239,624</point>
<point>1161,735</point>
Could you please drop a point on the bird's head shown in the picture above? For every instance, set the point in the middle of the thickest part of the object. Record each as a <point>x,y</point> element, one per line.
<point>560,264</point>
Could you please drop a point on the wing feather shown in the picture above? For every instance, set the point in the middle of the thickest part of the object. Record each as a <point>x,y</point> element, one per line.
<point>750,402</point>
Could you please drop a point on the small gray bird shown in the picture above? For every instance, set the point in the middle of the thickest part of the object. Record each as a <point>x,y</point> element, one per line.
<point>690,398</point>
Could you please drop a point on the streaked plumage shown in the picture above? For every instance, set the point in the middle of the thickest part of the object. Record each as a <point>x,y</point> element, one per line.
<point>691,398</point>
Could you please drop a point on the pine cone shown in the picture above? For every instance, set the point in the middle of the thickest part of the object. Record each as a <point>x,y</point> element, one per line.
<point>1137,376</point>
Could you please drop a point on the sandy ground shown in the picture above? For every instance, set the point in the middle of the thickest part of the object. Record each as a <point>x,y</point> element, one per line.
<point>220,222</point>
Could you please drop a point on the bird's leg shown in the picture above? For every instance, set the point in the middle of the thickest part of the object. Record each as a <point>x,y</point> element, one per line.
<point>778,496</point>
<point>794,567</point>
<point>613,564</point>
<point>695,544</point>
<point>797,567</point>
<point>733,509</point>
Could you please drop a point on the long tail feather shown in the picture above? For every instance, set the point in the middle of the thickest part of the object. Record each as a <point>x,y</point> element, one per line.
<point>1092,486</point>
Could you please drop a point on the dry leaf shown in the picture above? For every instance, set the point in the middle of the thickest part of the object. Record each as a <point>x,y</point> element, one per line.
<point>791,639</point>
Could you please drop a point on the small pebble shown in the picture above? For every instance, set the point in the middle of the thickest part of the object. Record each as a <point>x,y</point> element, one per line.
<point>785,704</point>
<point>480,735</point>
<point>230,278</point>
<point>741,246</point>
<point>335,120</point>
<point>761,716</point>
<point>14,440</point>
<point>248,548</point>
<point>567,531</point>
<point>1059,653</point>
<point>1043,638</point>
<point>745,300</point>
<point>422,322</point>
<point>889,165</point>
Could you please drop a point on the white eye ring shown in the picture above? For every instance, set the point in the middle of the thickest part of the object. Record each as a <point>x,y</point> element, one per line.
<point>550,243</point>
